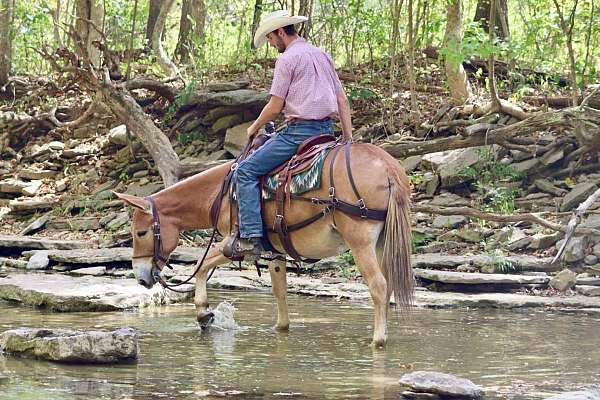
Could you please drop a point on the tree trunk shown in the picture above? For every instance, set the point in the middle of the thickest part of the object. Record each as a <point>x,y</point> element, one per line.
<point>482,14</point>
<point>414,107</point>
<point>154,140</point>
<point>305,10</point>
<point>89,20</point>
<point>154,9</point>
<point>164,61</point>
<point>396,8</point>
<point>255,20</point>
<point>496,106</point>
<point>460,88</point>
<point>567,29</point>
<point>56,25</point>
<point>191,28</point>
<point>6,22</point>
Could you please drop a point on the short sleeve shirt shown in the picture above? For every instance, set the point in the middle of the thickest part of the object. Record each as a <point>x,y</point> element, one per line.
<point>305,78</point>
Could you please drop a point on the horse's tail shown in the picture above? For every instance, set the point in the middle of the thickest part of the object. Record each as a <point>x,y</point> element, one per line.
<point>396,263</point>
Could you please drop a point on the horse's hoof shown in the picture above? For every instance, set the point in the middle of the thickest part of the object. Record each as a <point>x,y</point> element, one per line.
<point>205,319</point>
<point>282,328</point>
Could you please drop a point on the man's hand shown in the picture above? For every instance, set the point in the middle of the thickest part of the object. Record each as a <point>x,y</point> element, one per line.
<point>251,131</point>
<point>269,113</point>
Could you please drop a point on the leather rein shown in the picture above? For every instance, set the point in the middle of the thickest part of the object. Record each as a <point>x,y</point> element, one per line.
<point>158,258</point>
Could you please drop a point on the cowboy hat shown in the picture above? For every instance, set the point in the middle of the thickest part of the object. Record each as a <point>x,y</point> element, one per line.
<point>273,21</point>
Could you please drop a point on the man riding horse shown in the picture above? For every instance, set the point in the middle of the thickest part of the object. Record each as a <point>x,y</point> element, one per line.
<point>308,91</point>
<point>366,210</point>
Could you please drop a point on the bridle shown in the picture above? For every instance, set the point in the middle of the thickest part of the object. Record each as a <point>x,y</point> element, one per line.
<point>158,259</point>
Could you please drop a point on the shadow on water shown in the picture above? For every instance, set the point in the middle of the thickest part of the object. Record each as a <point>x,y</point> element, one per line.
<point>326,355</point>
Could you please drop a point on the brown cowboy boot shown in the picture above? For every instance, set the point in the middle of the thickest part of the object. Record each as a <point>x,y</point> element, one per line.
<point>248,248</point>
<point>237,249</point>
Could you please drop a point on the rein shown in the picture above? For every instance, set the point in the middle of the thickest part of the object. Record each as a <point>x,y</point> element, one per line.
<point>157,254</point>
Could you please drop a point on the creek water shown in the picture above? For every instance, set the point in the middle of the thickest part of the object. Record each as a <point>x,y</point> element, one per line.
<point>524,354</point>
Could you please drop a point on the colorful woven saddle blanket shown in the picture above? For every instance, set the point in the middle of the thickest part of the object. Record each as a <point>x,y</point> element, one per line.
<point>302,182</point>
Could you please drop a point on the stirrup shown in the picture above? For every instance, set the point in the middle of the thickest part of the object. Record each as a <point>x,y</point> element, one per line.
<point>232,250</point>
<point>228,249</point>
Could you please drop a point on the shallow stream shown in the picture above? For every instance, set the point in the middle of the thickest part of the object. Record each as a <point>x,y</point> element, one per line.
<point>514,354</point>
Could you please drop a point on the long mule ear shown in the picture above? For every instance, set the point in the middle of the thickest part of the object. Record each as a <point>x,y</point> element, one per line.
<point>134,201</point>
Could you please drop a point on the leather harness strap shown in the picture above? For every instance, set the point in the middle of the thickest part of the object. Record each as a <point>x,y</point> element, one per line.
<point>331,204</point>
<point>299,162</point>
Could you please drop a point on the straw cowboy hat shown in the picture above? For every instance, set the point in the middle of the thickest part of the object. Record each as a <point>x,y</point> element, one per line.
<point>272,21</point>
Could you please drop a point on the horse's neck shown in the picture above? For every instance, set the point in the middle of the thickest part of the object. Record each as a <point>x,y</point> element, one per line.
<point>188,203</point>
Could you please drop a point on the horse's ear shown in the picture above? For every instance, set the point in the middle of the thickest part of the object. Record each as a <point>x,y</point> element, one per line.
<point>137,202</point>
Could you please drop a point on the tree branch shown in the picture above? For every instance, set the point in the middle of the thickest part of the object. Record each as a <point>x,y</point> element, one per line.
<point>514,218</point>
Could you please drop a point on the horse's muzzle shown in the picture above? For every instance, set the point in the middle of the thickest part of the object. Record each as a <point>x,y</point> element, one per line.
<point>145,273</point>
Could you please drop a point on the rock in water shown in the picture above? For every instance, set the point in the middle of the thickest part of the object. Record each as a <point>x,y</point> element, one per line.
<point>442,384</point>
<point>62,345</point>
<point>224,317</point>
<point>591,394</point>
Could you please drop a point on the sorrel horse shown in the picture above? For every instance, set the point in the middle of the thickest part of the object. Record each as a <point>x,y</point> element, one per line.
<point>381,249</point>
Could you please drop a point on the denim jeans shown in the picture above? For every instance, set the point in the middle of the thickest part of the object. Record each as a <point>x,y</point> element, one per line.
<point>274,152</point>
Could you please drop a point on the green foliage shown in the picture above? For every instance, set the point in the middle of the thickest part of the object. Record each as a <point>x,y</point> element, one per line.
<point>501,263</point>
<point>188,137</point>
<point>360,93</point>
<point>348,270</point>
<point>353,31</point>
<point>123,176</point>
<point>419,239</point>
<point>489,176</point>
<point>347,257</point>
<point>415,178</point>
<point>180,100</point>
<point>32,23</point>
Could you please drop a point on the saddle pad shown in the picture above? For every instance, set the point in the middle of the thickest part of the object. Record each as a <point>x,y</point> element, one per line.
<point>305,181</point>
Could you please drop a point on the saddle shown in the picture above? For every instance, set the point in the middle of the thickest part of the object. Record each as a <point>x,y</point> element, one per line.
<point>300,162</point>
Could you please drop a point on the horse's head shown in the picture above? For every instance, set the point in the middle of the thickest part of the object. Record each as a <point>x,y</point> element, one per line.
<point>155,236</point>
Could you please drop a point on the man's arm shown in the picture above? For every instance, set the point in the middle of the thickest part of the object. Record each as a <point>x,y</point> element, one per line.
<point>344,112</point>
<point>269,113</point>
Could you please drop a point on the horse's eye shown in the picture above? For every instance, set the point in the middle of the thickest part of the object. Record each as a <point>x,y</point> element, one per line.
<point>141,233</point>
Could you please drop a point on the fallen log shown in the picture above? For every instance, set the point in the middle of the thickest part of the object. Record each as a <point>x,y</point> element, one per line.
<point>569,119</point>
<point>159,88</point>
<point>510,218</point>
<point>574,221</point>
<point>190,168</point>
<point>559,101</point>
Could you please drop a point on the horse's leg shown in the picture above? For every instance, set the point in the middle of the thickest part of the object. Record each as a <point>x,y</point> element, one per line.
<point>366,259</point>
<point>277,269</point>
<point>213,258</point>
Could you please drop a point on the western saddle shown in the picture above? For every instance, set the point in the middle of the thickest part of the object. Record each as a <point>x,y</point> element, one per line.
<point>301,161</point>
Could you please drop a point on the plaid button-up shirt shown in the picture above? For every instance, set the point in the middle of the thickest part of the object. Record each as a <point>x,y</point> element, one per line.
<point>305,78</point>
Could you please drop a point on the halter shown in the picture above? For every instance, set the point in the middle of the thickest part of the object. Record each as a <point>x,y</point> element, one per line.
<point>157,253</point>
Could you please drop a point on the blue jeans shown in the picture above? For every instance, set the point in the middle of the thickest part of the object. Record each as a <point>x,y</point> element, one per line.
<point>274,152</point>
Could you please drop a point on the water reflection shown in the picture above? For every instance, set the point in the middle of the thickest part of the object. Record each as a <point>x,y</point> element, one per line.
<point>326,354</point>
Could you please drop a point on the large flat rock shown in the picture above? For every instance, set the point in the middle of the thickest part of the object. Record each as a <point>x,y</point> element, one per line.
<point>64,293</point>
<point>28,243</point>
<point>119,254</point>
<point>475,278</point>
<point>589,394</point>
<point>97,347</point>
<point>248,280</point>
<point>521,262</point>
